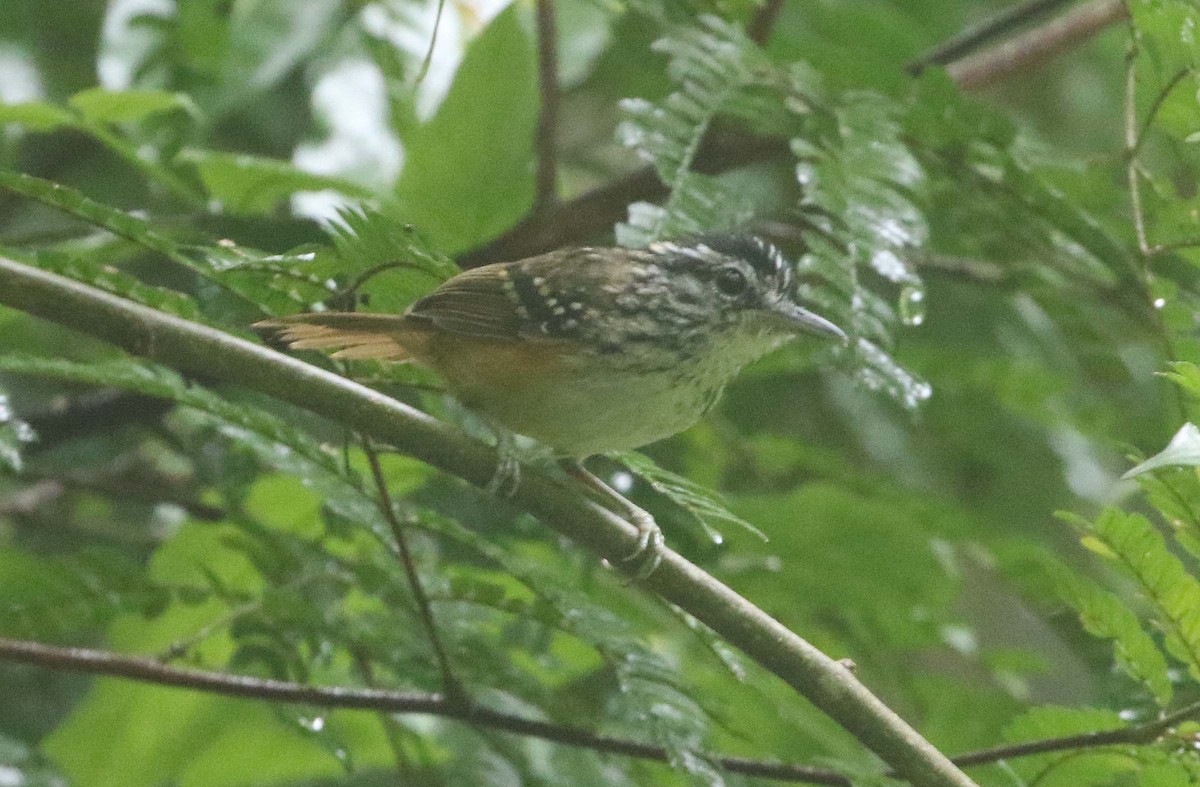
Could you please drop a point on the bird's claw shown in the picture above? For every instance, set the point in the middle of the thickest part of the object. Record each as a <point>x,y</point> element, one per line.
<point>647,555</point>
<point>506,478</point>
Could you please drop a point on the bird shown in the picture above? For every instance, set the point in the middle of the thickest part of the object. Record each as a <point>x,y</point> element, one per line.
<point>589,350</point>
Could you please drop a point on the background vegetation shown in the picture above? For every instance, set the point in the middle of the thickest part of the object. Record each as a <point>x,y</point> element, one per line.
<point>1014,251</point>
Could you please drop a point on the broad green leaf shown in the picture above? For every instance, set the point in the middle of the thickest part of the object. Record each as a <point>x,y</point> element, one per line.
<point>36,116</point>
<point>253,185</point>
<point>97,105</point>
<point>468,171</point>
<point>1182,451</point>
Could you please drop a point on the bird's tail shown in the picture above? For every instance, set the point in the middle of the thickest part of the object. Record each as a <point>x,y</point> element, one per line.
<point>351,335</point>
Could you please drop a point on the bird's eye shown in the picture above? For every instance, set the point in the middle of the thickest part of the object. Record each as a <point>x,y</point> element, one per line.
<point>731,281</point>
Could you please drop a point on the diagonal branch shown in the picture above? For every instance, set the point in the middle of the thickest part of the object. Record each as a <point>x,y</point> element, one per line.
<point>973,38</point>
<point>1036,46</point>
<point>192,347</point>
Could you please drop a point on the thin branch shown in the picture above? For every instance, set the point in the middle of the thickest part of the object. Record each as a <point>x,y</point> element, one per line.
<point>192,347</point>
<point>1156,105</point>
<point>973,38</point>
<point>451,686</point>
<point>146,670</point>
<point>1127,736</point>
<point>1036,46</point>
<point>546,192</point>
<point>1131,145</point>
<point>760,27</point>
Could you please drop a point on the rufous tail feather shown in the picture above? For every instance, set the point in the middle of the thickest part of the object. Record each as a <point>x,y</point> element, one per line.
<point>352,335</point>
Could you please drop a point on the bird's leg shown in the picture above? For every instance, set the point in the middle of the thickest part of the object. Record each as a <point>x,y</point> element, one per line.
<point>648,553</point>
<point>507,476</point>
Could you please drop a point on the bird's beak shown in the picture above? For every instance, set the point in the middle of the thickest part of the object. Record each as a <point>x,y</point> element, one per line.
<point>801,320</point>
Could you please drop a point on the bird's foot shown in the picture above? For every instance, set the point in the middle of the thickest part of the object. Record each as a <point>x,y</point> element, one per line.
<point>507,476</point>
<point>647,555</point>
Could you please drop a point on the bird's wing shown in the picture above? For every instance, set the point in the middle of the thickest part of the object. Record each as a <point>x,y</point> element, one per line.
<point>477,302</point>
<point>540,298</point>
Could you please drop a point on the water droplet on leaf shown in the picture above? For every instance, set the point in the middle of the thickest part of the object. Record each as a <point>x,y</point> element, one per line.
<point>912,305</point>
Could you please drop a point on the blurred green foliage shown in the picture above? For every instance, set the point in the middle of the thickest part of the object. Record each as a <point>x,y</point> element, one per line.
<point>225,161</point>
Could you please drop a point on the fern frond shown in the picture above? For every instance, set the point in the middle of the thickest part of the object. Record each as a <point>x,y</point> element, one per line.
<point>1104,615</point>
<point>1132,543</point>
<point>712,63</point>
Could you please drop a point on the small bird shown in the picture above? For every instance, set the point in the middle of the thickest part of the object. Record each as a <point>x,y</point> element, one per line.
<point>592,349</point>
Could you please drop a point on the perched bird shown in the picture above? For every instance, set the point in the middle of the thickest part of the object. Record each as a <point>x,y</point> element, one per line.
<point>589,350</point>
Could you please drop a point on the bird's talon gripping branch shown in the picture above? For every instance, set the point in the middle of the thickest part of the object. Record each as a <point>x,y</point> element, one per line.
<point>507,476</point>
<point>648,554</point>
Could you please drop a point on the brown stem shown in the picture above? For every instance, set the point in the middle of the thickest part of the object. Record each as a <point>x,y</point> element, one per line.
<point>452,688</point>
<point>546,193</point>
<point>964,43</point>
<point>1036,46</point>
<point>151,671</point>
<point>760,27</point>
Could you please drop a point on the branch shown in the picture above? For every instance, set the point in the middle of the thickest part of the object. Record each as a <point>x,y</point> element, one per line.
<point>546,193</point>
<point>191,347</point>
<point>1036,46</point>
<point>971,39</point>
<point>147,670</point>
<point>1137,734</point>
<point>451,686</point>
<point>760,27</point>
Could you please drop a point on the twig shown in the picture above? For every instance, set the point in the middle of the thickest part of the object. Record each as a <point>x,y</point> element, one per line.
<point>1137,734</point>
<point>1155,106</point>
<point>961,44</point>
<point>450,684</point>
<point>764,20</point>
<point>1037,45</point>
<point>546,192</point>
<point>190,347</point>
<point>146,670</point>
<point>150,671</point>
<point>1132,143</point>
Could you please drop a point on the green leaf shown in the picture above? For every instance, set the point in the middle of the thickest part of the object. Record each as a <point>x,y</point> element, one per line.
<point>1104,615</point>
<point>1132,543</point>
<point>253,185</point>
<point>704,504</point>
<point>97,105</point>
<point>711,63</point>
<point>75,203</point>
<point>36,116</point>
<point>111,279</point>
<point>468,171</point>
<point>1182,451</point>
<point>1186,375</point>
